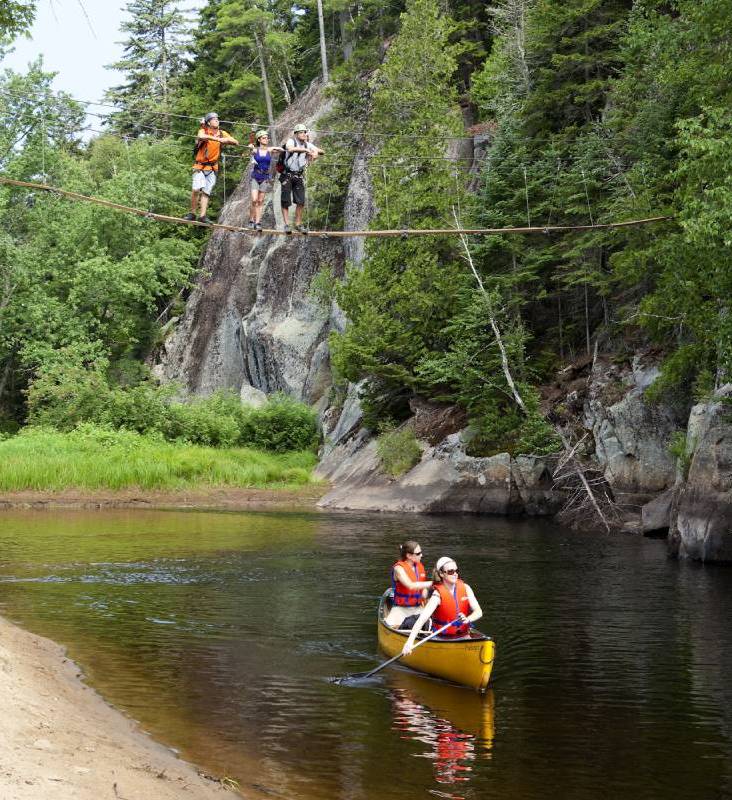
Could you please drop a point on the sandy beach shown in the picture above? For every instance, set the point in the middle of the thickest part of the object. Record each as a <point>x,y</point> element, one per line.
<point>60,741</point>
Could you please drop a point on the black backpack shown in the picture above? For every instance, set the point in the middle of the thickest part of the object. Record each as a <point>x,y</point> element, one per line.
<point>280,166</point>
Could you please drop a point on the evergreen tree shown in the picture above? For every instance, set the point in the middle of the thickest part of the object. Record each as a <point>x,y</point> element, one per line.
<point>399,303</point>
<point>153,61</point>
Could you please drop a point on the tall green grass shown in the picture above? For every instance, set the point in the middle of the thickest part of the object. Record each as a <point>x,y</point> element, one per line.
<point>91,457</point>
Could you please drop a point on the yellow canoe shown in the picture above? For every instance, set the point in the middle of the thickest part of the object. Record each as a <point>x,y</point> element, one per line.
<point>468,662</point>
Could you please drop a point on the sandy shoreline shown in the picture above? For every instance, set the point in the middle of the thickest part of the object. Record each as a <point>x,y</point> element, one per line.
<point>231,499</point>
<point>60,741</point>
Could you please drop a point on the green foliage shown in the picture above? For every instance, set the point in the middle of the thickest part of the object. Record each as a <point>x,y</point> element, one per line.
<point>79,282</point>
<point>679,448</point>
<point>16,16</point>
<point>502,428</point>
<point>153,61</point>
<point>399,302</point>
<point>281,424</point>
<point>92,457</point>
<point>323,286</point>
<point>398,450</point>
<point>66,394</point>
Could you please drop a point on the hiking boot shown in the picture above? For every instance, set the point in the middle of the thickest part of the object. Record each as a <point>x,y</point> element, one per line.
<point>287,229</point>
<point>190,216</point>
<point>258,226</point>
<point>252,224</point>
<point>205,220</point>
<point>302,229</point>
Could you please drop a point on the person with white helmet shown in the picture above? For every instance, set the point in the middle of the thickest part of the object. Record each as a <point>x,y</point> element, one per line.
<point>299,152</point>
<point>261,180</point>
<point>207,152</point>
<point>452,601</point>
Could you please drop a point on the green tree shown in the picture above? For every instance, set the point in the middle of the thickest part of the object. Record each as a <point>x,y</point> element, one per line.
<point>16,17</point>
<point>400,301</point>
<point>153,62</point>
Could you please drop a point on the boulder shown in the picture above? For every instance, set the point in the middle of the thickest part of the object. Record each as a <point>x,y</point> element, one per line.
<point>656,515</point>
<point>251,396</point>
<point>701,527</point>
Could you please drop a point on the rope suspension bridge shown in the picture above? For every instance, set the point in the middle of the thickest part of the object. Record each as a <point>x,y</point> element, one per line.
<point>329,234</point>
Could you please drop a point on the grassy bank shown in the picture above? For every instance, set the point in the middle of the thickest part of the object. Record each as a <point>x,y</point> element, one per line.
<point>41,459</point>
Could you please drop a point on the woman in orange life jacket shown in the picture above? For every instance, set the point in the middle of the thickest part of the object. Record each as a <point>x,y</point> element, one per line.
<point>409,581</point>
<point>451,600</point>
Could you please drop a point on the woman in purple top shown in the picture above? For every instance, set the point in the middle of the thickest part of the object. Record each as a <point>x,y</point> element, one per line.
<point>261,180</point>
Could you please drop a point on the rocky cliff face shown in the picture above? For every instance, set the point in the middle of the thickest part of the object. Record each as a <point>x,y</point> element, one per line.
<point>251,324</point>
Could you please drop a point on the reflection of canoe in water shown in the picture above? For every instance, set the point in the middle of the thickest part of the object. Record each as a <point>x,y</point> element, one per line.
<point>466,711</point>
<point>465,661</point>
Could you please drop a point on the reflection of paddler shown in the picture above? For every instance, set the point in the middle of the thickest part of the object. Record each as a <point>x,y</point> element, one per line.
<point>452,749</point>
<point>467,711</point>
<point>409,582</point>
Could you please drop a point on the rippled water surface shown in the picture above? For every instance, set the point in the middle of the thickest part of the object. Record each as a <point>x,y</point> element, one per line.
<point>219,633</point>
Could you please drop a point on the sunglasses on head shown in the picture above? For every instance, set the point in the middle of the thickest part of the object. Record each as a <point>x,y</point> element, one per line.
<point>449,571</point>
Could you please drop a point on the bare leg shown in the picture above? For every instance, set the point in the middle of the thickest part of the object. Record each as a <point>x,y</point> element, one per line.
<point>253,205</point>
<point>298,215</point>
<point>204,203</point>
<point>259,208</point>
<point>286,215</point>
<point>194,201</point>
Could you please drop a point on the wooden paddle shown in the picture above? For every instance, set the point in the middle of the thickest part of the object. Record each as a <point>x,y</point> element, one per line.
<point>364,675</point>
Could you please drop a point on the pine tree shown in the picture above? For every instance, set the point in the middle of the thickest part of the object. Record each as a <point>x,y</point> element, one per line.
<point>399,303</point>
<point>153,62</point>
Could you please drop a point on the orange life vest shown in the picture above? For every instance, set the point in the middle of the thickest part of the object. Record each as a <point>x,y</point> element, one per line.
<point>450,606</point>
<point>403,595</point>
<point>208,152</point>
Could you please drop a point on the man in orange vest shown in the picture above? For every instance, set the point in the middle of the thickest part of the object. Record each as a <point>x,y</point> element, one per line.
<point>206,164</point>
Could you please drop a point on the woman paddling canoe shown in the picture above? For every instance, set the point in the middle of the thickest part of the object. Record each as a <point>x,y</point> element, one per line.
<point>452,600</point>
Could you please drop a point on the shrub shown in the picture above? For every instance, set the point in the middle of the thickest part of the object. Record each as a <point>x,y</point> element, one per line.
<point>66,396</point>
<point>279,425</point>
<point>398,450</point>
<point>682,451</point>
<point>200,422</point>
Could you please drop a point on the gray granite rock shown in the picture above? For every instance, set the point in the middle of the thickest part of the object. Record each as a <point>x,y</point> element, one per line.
<point>445,480</point>
<point>701,527</point>
<point>631,436</point>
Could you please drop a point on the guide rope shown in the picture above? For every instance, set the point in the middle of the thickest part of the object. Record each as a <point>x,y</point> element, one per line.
<point>334,234</point>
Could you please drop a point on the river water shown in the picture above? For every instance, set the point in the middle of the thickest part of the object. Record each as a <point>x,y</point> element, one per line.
<point>219,633</point>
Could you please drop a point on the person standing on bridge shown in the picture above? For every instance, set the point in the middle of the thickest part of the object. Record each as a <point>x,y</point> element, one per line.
<point>299,152</point>
<point>261,180</point>
<point>207,152</point>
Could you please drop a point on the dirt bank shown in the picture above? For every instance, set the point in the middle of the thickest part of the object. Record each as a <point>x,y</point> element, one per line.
<point>60,740</point>
<point>302,497</point>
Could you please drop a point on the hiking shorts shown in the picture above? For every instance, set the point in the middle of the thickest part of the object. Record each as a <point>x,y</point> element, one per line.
<point>293,189</point>
<point>204,181</point>
<point>264,186</point>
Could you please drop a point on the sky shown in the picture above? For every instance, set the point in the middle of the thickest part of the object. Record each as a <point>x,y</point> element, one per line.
<point>77,38</point>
